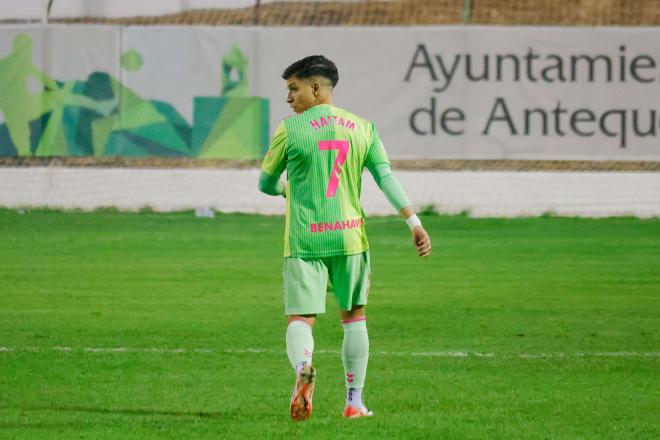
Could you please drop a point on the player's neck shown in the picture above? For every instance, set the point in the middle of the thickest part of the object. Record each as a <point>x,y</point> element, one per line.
<point>322,100</point>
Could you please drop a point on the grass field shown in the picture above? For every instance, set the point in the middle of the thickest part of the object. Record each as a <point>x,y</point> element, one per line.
<point>132,326</point>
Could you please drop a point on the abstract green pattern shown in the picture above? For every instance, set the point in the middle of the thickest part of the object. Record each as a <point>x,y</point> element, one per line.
<point>101,117</point>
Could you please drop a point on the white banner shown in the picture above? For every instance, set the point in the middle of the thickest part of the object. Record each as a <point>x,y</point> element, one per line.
<point>441,92</point>
<point>480,92</point>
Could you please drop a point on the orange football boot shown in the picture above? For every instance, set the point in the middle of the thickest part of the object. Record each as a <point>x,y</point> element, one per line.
<point>354,413</point>
<point>301,400</point>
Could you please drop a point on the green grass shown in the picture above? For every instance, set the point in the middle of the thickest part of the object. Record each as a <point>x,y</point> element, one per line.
<point>568,292</point>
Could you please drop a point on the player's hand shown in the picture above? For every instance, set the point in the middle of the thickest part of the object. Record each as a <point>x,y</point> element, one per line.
<point>422,241</point>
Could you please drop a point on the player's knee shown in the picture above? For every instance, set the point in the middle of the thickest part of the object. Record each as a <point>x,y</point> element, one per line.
<point>309,319</point>
<point>356,312</point>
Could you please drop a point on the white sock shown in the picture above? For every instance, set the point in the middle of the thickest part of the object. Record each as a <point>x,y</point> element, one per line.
<point>355,352</point>
<point>299,343</point>
<point>354,398</point>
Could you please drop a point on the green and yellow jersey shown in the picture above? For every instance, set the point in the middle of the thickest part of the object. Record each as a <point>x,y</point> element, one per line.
<point>324,151</point>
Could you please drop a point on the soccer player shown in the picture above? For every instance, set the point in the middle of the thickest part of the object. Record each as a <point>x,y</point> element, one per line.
<point>324,150</point>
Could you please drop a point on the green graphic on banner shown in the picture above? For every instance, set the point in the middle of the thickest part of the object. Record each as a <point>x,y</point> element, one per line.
<point>131,60</point>
<point>235,125</point>
<point>102,117</point>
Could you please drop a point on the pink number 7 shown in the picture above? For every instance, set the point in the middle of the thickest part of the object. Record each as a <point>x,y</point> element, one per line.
<point>343,147</point>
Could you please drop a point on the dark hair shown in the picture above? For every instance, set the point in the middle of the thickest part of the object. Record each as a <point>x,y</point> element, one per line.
<point>312,66</point>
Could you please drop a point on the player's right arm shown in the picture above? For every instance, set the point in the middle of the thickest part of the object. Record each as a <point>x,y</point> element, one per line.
<point>274,165</point>
<point>379,166</point>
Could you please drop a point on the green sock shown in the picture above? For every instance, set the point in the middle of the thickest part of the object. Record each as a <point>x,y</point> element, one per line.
<point>299,343</point>
<point>355,352</point>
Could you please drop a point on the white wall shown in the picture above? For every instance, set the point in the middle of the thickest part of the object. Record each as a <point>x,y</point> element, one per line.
<point>483,194</point>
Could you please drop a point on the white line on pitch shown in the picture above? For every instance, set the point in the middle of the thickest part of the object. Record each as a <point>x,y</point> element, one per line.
<point>445,354</point>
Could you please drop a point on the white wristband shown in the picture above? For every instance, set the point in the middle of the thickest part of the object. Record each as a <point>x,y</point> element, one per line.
<point>413,221</point>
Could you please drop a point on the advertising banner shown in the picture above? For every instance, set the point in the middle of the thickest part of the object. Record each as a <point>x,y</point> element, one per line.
<point>438,92</point>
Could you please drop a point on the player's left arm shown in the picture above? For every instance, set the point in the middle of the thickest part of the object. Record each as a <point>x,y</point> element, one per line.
<point>420,237</point>
<point>379,166</point>
<point>274,165</point>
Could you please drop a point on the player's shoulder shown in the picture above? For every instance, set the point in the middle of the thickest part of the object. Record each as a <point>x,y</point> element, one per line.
<point>290,121</point>
<point>347,114</point>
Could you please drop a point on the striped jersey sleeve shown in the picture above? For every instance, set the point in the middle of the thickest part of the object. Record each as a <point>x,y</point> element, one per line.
<point>274,162</point>
<point>376,154</point>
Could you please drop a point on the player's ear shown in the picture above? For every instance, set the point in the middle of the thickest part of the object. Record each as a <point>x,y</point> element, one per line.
<point>316,89</point>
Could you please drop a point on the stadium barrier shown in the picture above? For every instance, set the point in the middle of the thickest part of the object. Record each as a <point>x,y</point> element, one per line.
<point>477,193</point>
